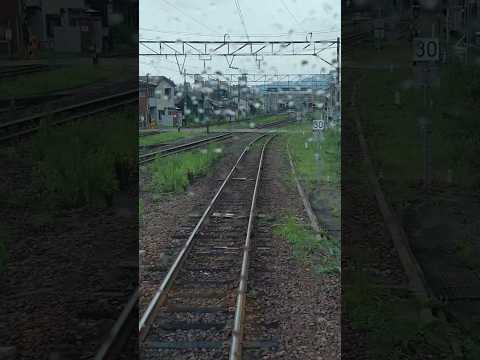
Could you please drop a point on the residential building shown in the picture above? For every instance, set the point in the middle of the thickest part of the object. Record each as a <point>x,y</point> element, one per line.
<point>65,25</point>
<point>11,28</point>
<point>161,95</point>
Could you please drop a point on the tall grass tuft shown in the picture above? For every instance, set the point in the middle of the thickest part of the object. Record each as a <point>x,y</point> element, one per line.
<point>86,162</point>
<point>319,251</point>
<point>173,174</point>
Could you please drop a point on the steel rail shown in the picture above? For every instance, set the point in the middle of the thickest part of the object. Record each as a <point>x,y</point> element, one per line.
<point>117,337</point>
<point>275,123</point>
<point>237,332</point>
<point>68,119</point>
<point>14,71</point>
<point>160,296</point>
<point>146,158</point>
<point>66,108</point>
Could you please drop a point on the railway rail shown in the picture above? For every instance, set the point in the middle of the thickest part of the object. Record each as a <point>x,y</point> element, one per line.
<point>275,124</point>
<point>121,331</point>
<point>17,70</point>
<point>7,105</point>
<point>171,150</point>
<point>199,308</point>
<point>15,129</point>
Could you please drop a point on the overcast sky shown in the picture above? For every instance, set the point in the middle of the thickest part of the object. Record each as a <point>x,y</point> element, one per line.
<point>264,20</point>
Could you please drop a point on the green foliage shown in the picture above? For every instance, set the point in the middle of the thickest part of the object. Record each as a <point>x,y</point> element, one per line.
<point>395,137</point>
<point>394,323</point>
<point>55,80</point>
<point>84,163</point>
<point>317,250</point>
<point>172,174</point>
<point>304,149</point>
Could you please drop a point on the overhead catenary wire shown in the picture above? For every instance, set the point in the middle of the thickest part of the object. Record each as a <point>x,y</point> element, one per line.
<point>333,30</point>
<point>242,20</point>
<point>293,15</point>
<point>189,16</point>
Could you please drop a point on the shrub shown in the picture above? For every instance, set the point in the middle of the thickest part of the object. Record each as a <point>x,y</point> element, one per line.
<point>85,162</point>
<point>174,173</point>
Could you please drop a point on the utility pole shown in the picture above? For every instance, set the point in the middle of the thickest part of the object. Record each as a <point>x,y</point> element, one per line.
<point>184,120</point>
<point>338,60</point>
<point>147,112</point>
<point>238,103</point>
<point>204,114</point>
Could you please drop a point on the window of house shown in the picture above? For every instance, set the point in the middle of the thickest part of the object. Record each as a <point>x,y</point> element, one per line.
<point>168,91</point>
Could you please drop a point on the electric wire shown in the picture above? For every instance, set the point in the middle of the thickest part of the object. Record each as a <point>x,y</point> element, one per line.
<point>242,20</point>
<point>293,16</point>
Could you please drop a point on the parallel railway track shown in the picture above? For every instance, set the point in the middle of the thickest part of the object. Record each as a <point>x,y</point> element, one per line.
<point>198,309</point>
<point>15,129</point>
<point>175,149</point>
<point>17,70</point>
<point>170,149</point>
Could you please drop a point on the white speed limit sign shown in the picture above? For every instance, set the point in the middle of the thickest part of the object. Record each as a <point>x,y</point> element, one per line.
<point>426,49</point>
<point>318,125</point>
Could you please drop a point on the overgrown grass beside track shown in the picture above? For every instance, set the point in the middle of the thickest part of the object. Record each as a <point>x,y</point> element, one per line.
<point>316,160</point>
<point>318,251</point>
<point>172,174</point>
<point>59,79</point>
<point>86,162</point>
<point>392,321</point>
<point>317,165</point>
<point>395,324</point>
<point>394,132</point>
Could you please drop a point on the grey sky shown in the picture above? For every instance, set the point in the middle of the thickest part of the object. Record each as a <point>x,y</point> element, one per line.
<point>264,20</point>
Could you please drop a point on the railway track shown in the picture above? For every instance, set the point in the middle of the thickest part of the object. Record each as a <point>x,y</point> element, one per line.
<point>17,70</point>
<point>275,124</point>
<point>122,330</point>
<point>15,129</point>
<point>21,103</point>
<point>198,310</point>
<point>167,150</point>
<point>171,150</point>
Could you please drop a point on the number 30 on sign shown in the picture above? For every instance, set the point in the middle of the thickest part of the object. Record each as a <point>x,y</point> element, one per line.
<point>426,49</point>
<point>318,125</point>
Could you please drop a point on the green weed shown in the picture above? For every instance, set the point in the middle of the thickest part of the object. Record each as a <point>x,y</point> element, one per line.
<point>84,163</point>
<point>140,208</point>
<point>319,251</point>
<point>394,323</point>
<point>60,79</point>
<point>172,174</point>
<point>316,162</point>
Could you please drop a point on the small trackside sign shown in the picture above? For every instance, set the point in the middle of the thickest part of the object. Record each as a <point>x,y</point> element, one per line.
<point>318,125</point>
<point>426,49</point>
